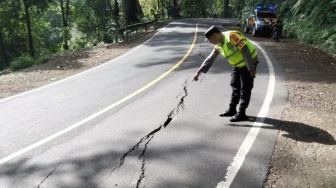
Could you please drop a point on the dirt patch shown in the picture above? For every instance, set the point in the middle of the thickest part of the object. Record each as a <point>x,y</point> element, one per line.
<point>305,151</point>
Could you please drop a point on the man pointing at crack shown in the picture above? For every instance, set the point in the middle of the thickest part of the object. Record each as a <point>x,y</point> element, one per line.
<point>242,56</point>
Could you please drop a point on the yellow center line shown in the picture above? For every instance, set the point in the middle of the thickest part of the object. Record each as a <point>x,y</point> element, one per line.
<point>78,124</point>
<point>162,76</point>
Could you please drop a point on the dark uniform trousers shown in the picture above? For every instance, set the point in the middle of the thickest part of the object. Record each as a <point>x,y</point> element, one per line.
<point>242,84</point>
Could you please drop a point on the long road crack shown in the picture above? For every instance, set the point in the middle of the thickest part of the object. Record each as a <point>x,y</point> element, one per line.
<point>47,177</point>
<point>146,139</point>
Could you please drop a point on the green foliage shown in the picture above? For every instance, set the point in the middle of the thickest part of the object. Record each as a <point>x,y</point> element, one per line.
<point>80,42</point>
<point>110,33</point>
<point>27,61</point>
<point>149,8</point>
<point>92,22</point>
<point>12,27</point>
<point>40,4</point>
<point>217,7</point>
<point>290,29</point>
<point>47,39</point>
<point>42,59</point>
<point>311,21</point>
<point>21,63</point>
<point>196,8</point>
<point>330,43</point>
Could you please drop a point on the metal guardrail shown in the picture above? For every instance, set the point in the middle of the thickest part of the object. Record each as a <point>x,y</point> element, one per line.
<point>121,30</point>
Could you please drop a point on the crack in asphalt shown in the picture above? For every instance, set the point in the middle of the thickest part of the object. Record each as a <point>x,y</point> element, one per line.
<point>151,135</point>
<point>46,177</point>
<point>200,54</point>
<point>143,165</point>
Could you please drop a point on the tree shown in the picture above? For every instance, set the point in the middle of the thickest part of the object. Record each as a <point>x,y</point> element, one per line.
<point>41,5</point>
<point>226,8</point>
<point>29,30</point>
<point>195,8</point>
<point>116,8</point>
<point>133,10</point>
<point>216,8</point>
<point>65,8</point>
<point>115,16</point>
<point>91,18</point>
<point>175,3</point>
<point>4,57</point>
<point>4,61</point>
<point>238,6</point>
<point>12,30</point>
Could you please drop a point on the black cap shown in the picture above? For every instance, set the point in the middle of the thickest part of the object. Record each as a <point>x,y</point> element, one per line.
<point>211,31</point>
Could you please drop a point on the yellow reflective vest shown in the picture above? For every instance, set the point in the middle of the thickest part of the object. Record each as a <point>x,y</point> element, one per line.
<point>232,47</point>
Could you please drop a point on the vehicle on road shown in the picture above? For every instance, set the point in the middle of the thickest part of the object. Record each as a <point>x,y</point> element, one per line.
<point>261,21</point>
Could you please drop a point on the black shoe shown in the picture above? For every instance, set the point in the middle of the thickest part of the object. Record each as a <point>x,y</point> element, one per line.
<point>238,117</point>
<point>229,112</point>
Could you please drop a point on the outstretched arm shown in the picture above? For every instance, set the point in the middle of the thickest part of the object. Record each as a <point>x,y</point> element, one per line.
<point>207,63</point>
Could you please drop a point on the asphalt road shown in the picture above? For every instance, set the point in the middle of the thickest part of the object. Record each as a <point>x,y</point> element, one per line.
<point>140,121</point>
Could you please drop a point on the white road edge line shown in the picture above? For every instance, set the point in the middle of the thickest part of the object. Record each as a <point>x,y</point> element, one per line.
<point>49,138</point>
<point>70,77</point>
<point>253,133</point>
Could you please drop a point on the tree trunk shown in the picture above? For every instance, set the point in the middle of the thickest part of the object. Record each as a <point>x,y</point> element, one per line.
<point>203,10</point>
<point>162,8</point>
<point>65,14</point>
<point>4,57</point>
<point>175,3</point>
<point>29,31</point>
<point>226,8</point>
<point>116,8</point>
<point>133,10</point>
<point>115,15</point>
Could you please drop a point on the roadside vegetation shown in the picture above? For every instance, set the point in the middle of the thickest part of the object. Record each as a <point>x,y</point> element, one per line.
<point>32,31</point>
<point>311,21</point>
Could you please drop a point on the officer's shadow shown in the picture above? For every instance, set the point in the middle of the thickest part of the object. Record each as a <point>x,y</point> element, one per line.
<point>295,130</point>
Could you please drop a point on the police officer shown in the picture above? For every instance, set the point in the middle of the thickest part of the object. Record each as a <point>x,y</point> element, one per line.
<point>242,56</point>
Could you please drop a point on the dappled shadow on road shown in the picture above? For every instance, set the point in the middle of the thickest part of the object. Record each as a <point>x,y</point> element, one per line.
<point>194,157</point>
<point>176,45</point>
<point>295,130</point>
<point>119,168</point>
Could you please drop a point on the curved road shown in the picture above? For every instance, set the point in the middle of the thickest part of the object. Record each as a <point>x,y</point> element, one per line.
<point>139,121</point>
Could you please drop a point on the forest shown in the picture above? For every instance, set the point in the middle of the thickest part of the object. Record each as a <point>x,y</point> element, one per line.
<point>32,31</point>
